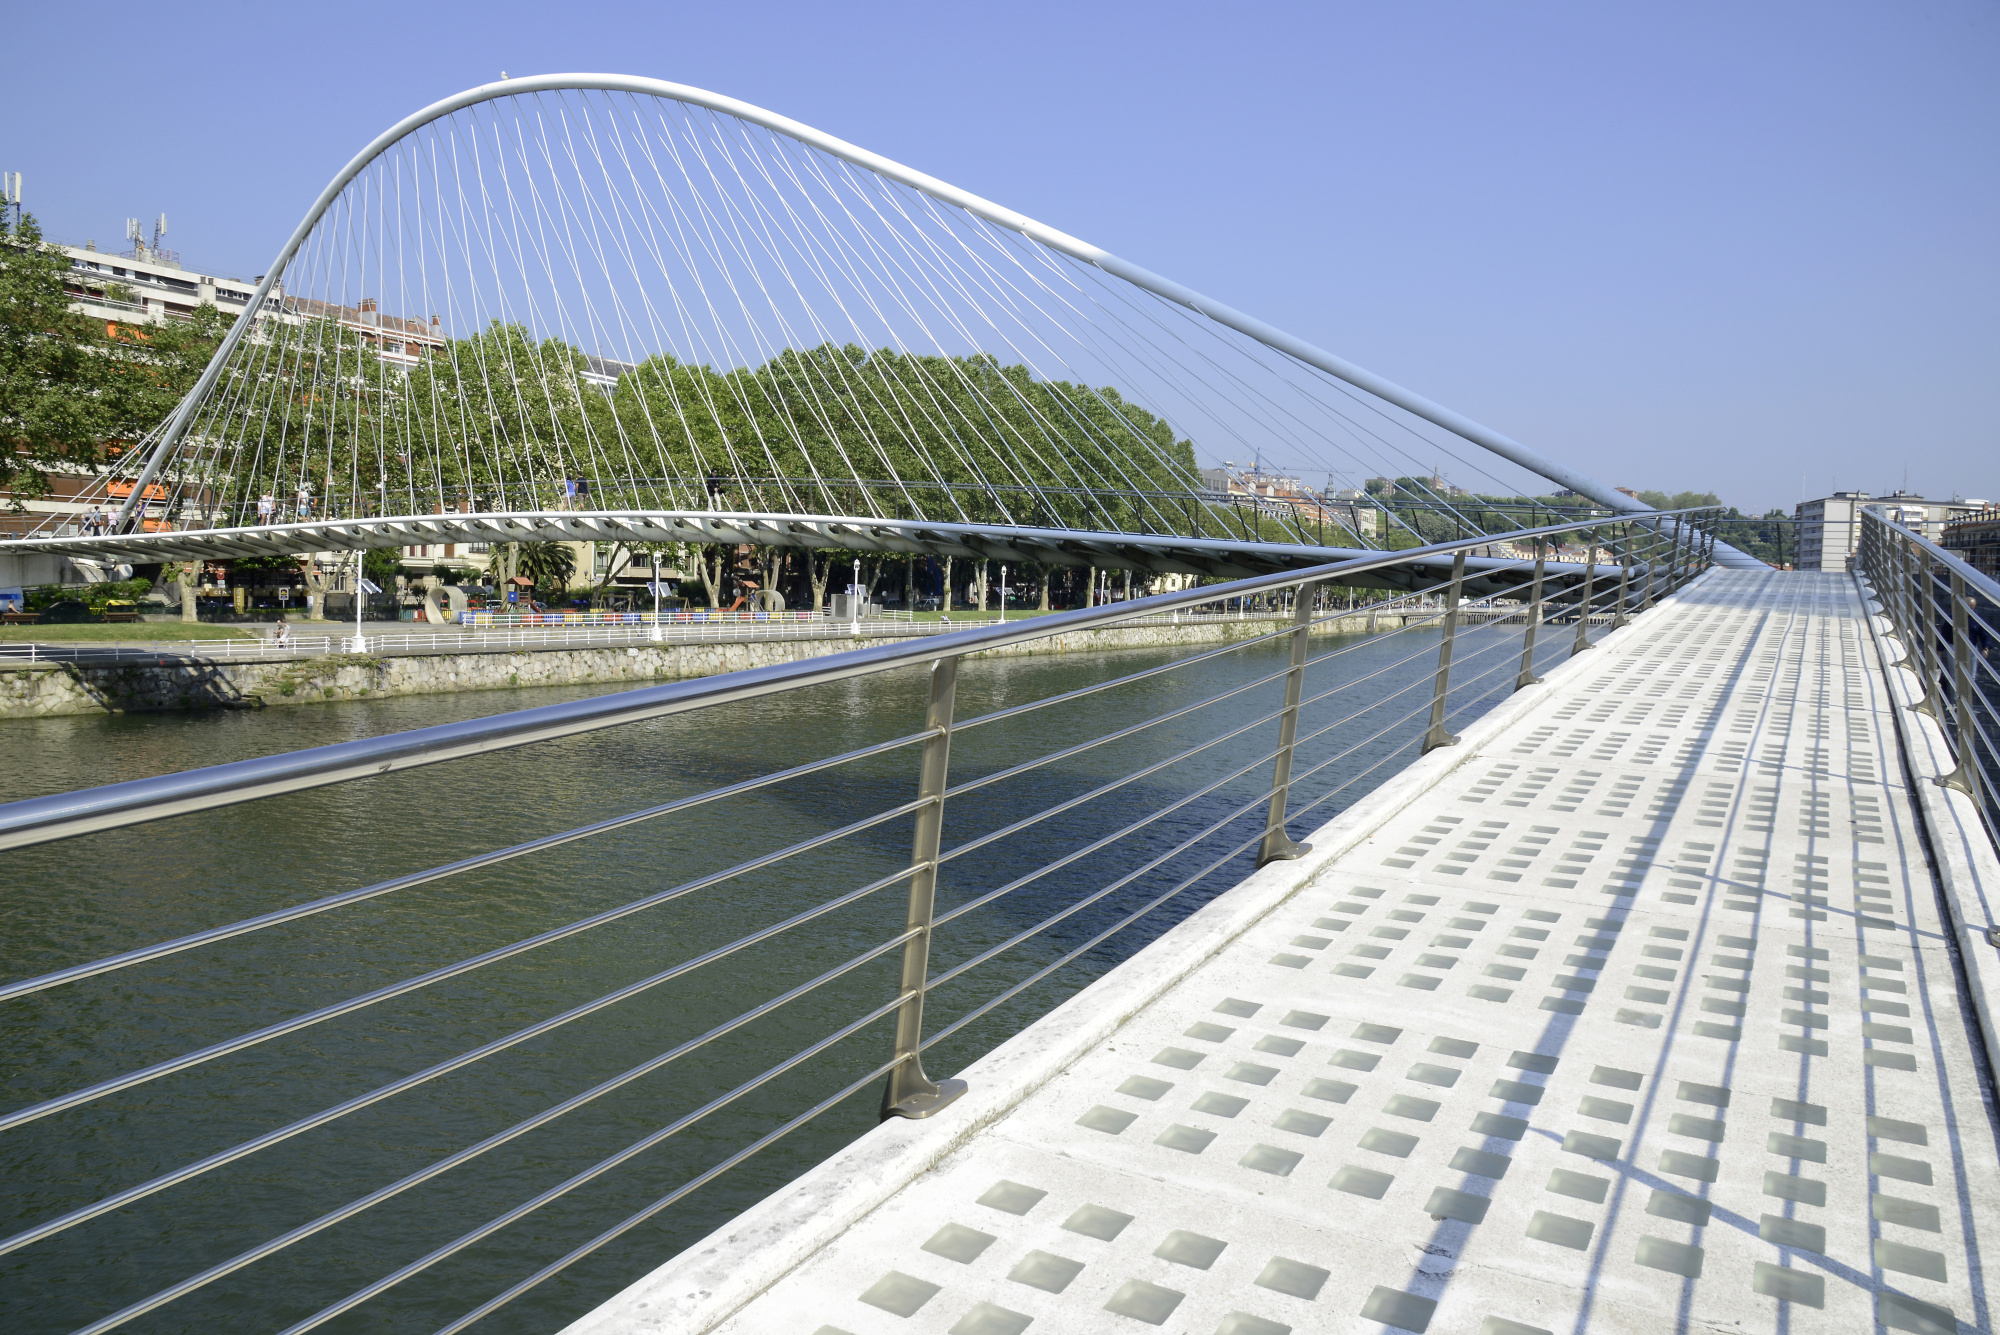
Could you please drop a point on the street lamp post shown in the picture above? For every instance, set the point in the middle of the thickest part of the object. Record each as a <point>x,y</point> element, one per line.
<point>1003,590</point>
<point>656,592</point>
<point>854,598</point>
<point>360,584</point>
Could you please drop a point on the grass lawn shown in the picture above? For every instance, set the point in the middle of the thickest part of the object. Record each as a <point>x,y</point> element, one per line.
<point>125,631</point>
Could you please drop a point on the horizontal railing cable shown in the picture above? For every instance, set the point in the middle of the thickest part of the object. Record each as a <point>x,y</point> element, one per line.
<point>1103,841</point>
<point>441,1166</point>
<point>640,1216</point>
<point>143,954</point>
<point>113,806</point>
<point>1331,793</point>
<point>1248,808</point>
<point>467,1058</point>
<point>1132,730</point>
<point>1565,594</point>
<point>1375,736</point>
<point>1235,815</point>
<point>989,896</point>
<point>1030,765</point>
<point>1069,804</point>
<point>1130,918</point>
<point>1305,737</point>
<point>1191,660</point>
<point>238,1044</point>
<point>594,1172</point>
<point>1276,675</point>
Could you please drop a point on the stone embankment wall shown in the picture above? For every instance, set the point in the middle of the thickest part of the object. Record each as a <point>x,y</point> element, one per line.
<point>47,690</point>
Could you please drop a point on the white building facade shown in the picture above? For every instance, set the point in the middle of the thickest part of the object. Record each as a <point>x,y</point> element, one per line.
<point>1830,527</point>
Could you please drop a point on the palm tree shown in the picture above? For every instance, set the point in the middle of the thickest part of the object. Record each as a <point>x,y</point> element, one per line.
<point>549,564</point>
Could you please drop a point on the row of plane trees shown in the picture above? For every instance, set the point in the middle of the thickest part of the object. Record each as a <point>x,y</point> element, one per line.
<point>307,413</point>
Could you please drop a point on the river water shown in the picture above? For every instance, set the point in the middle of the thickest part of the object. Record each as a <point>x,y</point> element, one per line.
<point>85,898</point>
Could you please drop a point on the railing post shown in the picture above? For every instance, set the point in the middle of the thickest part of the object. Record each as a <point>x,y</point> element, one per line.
<point>1583,603</point>
<point>1624,579</point>
<point>1904,614</point>
<point>1926,636</point>
<point>1436,736</point>
<point>1528,677</point>
<point>1652,562</point>
<point>1278,845</point>
<point>1961,776</point>
<point>910,1092</point>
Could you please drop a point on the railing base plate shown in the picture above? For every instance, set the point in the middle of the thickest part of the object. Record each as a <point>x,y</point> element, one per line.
<point>1284,853</point>
<point>946,1093</point>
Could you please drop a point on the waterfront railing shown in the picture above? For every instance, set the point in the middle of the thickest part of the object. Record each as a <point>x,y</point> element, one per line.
<point>608,634</point>
<point>1265,738</point>
<point>1947,614</point>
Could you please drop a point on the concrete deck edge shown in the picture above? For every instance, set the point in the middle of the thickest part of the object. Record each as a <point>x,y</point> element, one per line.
<point>703,1286</point>
<point>1963,858</point>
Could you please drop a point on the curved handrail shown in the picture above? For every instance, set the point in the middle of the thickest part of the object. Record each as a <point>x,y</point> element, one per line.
<point>61,815</point>
<point>1988,587</point>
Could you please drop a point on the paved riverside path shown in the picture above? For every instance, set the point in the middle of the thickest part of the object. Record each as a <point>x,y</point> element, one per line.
<point>1641,1018</point>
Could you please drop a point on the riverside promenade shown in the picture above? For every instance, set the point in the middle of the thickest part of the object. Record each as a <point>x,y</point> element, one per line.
<point>49,681</point>
<point>1652,1004</point>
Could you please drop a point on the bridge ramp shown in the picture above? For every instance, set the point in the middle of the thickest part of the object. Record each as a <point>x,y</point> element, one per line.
<point>1641,1018</point>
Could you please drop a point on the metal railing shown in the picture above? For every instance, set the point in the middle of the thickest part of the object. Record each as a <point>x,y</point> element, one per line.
<point>1242,751</point>
<point>667,617</point>
<point>499,639</point>
<point>1947,614</point>
<point>1312,519</point>
<point>716,628</point>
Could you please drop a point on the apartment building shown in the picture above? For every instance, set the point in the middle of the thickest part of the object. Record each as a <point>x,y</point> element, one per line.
<point>1975,538</point>
<point>147,285</point>
<point>1830,526</point>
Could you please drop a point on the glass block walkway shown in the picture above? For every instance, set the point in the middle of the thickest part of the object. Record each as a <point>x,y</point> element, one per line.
<point>1640,1020</point>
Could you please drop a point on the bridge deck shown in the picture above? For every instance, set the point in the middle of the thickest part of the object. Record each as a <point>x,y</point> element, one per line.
<point>1639,1018</point>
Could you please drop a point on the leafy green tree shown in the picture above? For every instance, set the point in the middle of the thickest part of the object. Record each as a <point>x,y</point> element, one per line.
<point>53,411</point>
<point>382,565</point>
<point>1680,500</point>
<point>75,390</point>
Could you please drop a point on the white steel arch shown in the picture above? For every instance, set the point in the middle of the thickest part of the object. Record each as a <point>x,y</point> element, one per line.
<point>1222,314</point>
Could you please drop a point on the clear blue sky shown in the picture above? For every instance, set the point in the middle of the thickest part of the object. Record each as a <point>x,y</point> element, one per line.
<point>1746,247</point>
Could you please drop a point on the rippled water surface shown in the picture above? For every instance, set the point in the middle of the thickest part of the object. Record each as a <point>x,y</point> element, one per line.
<point>84,898</point>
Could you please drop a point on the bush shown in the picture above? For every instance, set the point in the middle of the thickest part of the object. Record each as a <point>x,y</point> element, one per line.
<point>93,596</point>
<point>127,590</point>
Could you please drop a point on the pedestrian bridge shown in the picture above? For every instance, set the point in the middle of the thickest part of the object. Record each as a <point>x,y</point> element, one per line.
<point>1644,1007</point>
<point>1639,976</point>
<point>1634,985</point>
